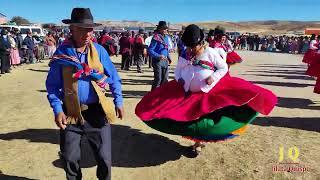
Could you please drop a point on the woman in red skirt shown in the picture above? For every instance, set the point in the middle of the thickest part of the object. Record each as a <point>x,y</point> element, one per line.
<point>204,103</point>
<point>310,55</point>
<point>314,70</point>
<point>221,41</point>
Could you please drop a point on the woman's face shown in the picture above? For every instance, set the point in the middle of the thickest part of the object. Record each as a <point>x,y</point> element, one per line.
<point>223,39</point>
<point>195,50</point>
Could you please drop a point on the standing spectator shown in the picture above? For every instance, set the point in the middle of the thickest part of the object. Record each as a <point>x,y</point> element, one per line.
<point>159,51</point>
<point>14,52</point>
<point>290,45</point>
<point>5,52</point>
<point>237,43</point>
<point>264,43</point>
<point>116,39</point>
<point>305,45</point>
<point>295,46</point>
<point>243,42</point>
<point>138,49</point>
<point>250,42</point>
<point>125,51</point>
<point>145,54</point>
<point>19,44</point>
<point>147,42</point>
<point>61,39</point>
<point>28,41</point>
<point>300,45</point>
<point>280,44</point>
<point>132,36</point>
<point>38,47</point>
<point>51,43</point>
<point>107,42</point>
<point>256,42</point>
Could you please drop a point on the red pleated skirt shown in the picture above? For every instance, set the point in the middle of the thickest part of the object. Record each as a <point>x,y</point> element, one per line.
<point>233,57</point>
<point>170,101</point>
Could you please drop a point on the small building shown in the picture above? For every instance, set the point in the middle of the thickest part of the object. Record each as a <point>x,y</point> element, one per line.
<point>310,31</point>
<point>3,19</point>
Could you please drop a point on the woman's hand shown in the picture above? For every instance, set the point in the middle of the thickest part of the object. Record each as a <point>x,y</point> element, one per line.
<point>209,80</point>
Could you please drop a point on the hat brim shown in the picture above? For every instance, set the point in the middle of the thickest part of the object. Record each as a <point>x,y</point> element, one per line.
<point>162,27</point>
<point>84,25</point>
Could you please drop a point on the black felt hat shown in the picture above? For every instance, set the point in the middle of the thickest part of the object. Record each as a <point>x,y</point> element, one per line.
<point>219,31</point>
<point>81,17</point>
<point>192,35</point>
<point>211,32</point>
<point>162,25</point>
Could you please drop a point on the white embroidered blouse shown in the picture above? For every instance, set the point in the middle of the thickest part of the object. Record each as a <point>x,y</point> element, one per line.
<point>195,76</point>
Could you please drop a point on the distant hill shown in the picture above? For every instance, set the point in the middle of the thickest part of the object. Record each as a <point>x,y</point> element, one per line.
<point>126,23</point>
<point>262,27</point>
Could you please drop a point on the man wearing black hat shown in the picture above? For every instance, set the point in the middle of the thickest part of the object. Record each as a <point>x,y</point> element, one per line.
<point>4,52</point>
<point>159,52</point>
<point>85,111</point>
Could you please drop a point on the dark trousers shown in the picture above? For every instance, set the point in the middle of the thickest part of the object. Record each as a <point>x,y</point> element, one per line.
<point>122,61</point>
<point>257,46</point>
<point>125,61</point>
<point>138,58</point>
<point>30,55</point>
<point>98,133</point>
<point>5,62</point>
<point>161,72</point>
<point>150,61</point>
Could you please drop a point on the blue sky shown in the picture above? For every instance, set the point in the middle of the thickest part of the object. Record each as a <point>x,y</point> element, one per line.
<point>170,10</point>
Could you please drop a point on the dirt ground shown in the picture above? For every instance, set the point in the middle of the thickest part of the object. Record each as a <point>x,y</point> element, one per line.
<point>29,138</point>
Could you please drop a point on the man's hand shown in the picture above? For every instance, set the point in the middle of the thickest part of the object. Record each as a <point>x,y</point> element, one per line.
<point>61,120</point>
<point>162,57</point>
<point>209,80</point>
<point>119,112</point>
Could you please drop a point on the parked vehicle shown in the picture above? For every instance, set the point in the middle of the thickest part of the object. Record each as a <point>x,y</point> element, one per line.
<point>24,29</point>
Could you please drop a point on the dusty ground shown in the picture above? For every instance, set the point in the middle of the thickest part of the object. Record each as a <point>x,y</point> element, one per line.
<point>29,137</point>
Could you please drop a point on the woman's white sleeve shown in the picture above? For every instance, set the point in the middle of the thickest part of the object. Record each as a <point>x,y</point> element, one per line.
<point>177,71</point>
<point>222,54</point>
<point>220,65</point>
<point>312,44</point>
<point>230,46</point>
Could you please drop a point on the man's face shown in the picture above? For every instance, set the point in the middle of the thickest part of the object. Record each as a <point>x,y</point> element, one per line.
<point>163,31</point>
<point>80,35</point>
